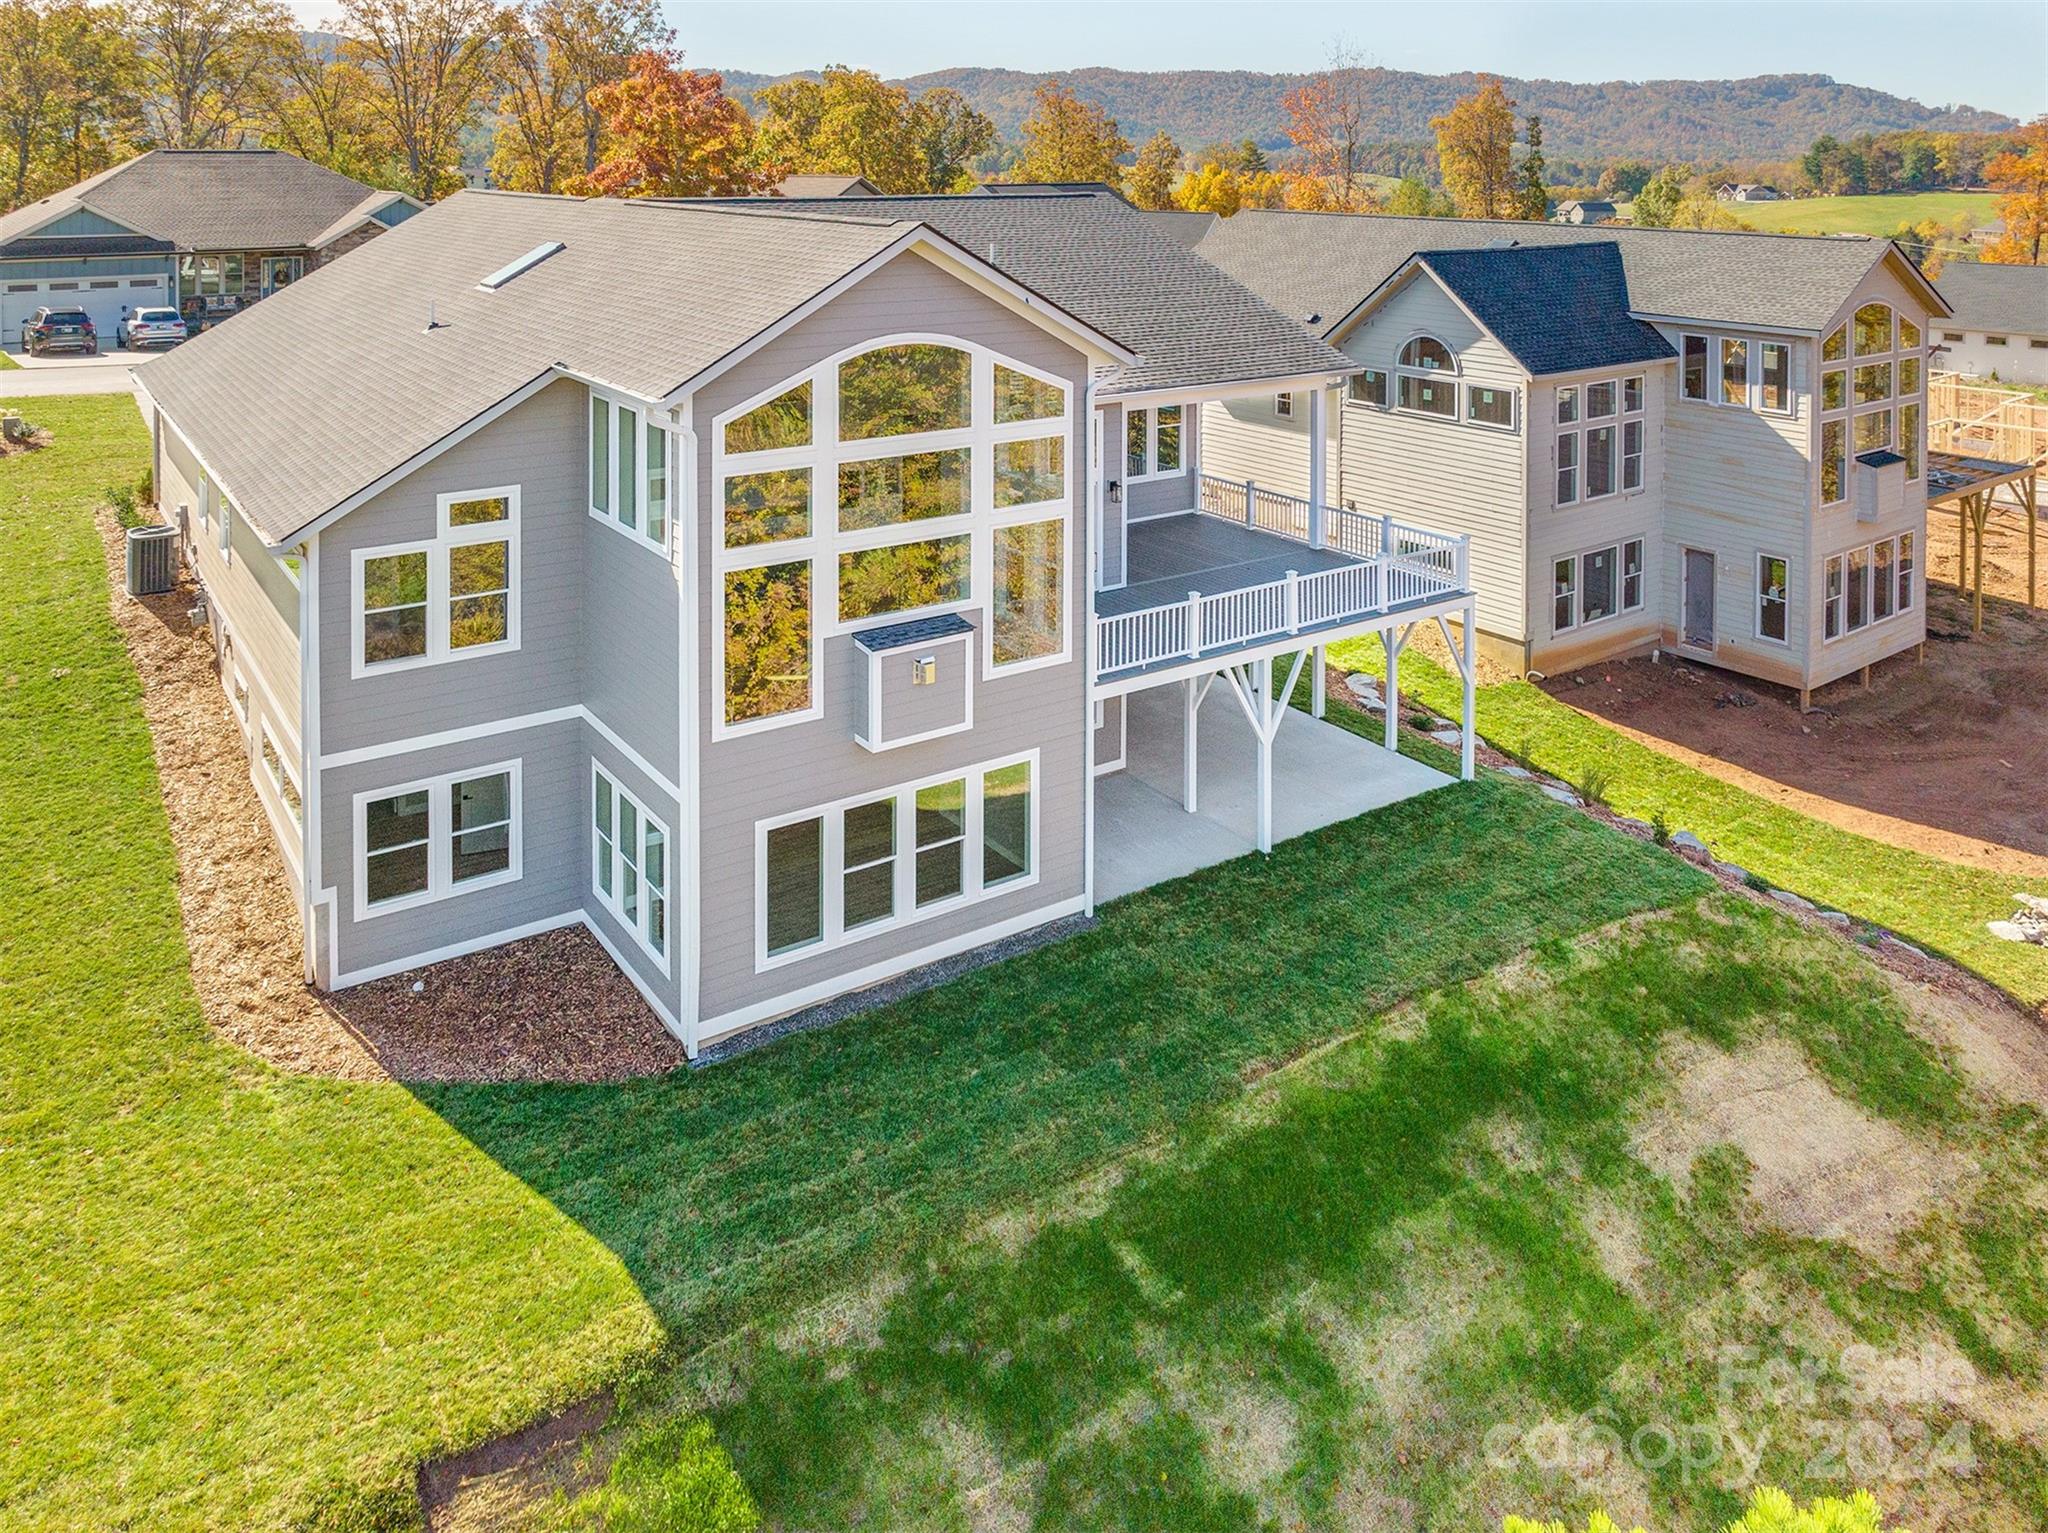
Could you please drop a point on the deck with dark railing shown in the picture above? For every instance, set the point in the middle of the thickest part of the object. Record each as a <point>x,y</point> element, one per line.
<point>1241,571</point>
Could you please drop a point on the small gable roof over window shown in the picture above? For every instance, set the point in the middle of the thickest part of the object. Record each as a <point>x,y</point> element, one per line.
<point>1556,308</point>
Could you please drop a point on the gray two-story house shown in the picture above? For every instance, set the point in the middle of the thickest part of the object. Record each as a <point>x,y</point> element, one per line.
<point>1708,443</point>
<point>793,594</point>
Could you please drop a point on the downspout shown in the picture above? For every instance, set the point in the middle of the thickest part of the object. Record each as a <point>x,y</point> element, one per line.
<point>690,810</point>
<point>1093,449</point>
<point>311,793</point>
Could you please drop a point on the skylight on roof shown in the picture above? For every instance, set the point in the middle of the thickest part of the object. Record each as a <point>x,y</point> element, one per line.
<point>531,259</point>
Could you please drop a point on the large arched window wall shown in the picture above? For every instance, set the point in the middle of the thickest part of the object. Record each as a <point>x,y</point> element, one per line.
<point>1872,380</point>
<point>909,476</point>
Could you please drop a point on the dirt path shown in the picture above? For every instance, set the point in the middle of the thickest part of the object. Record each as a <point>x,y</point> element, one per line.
<point>1946,755</point>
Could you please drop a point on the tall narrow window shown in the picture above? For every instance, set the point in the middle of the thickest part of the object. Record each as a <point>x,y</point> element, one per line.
<point>1631,455</point>
<point>1834,461</point>
<point>1166,454</point>
<point>1029,579</point>
<point>1568,468</point>
<point>767,641</point>
<point>794,885</point>
<point>1831,624</point>
<point>1692,378</point>
<point>941,841</point>
<point>1734,372</point>
<point>1873,329</point>
<point>600,455</point>
<point>1137,443</point>
<point>1567,405</point>
<point>1006,824</point>
<point>1882,587</point>
<point>1597,575</point>
<point>1910,438</point>
<point>630,863</point>
<point>656,459</point>
<point>1905,571</point>
<point>868,834</point>
<point>1599,461</point>
<point>394,606</point>
<point>1632,575</point>
<point>1771,598</point>
<point>1564,586</point>
<point>1859,588</point>
<point>1774,377</point>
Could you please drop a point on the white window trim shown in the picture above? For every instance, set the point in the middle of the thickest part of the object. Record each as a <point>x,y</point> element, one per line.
<point>441,884</point>
<point>1752,363</point>
<point>1151,413</point>
<point>1622,605</point>
<point>1756,616</point>
<point>1582,424</point>
<point>1711,378</point>
<point>643,419</point>
<point>611,903</point>
<point>1851,410</point>
<point>821,547</point>
<point>1455,373</point>
<point>906,910</point>
<point>436,548</point>
<point>1870,618</point>
<point>1283,406</point>
<point>1510,426</point>
<point>1385,375</point>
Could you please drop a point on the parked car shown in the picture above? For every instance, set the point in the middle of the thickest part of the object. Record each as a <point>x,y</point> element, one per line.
<point>150,327</point>
<point>59,330</point>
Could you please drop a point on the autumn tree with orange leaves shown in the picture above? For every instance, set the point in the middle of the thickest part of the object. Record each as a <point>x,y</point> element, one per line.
<point>1475,148</point>
<point>673,132</point>
<point>2022,175</point>
<point>1326,117</point>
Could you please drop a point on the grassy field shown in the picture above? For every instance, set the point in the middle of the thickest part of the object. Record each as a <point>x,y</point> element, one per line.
<point>236,1294</point>
<point>1934,904</point>
<point>1382,1288</point>
<point>1878,214</point>
<point>8,364</point>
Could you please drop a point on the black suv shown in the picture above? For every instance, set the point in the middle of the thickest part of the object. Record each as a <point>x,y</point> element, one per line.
<point>59,330</point>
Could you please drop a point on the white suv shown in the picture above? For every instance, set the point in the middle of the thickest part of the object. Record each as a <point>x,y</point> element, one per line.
<point>150,327</point>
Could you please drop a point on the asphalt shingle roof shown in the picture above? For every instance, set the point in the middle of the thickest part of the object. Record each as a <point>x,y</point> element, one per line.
<point>1109,265</point>
<point>1326,263</point>
<point>1997,298</point>
<point>211,199</point>
<point>64,246</point>
<point>327,385</point>
<point>920,630</point>
<point>1557,308</point>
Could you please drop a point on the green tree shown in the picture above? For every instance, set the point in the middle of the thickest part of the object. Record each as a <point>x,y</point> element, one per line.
<point>1535,192</point>
<point>430,66</point>
<point>951,136</point>
<point>1622,179</point>
<point>1067,139</point>
<point>847,122</point>
<point>1251,159</point>
<point>1158,168</point>
<point>318,107</point>
<point>1657,202</point>
<point>197,63</point>
<point>1414,198</point>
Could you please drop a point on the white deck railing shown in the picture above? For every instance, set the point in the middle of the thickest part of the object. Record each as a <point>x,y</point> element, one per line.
<point>1395,564</point>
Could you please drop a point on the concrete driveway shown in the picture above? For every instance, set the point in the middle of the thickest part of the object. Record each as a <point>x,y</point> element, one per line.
<point>67,373</point>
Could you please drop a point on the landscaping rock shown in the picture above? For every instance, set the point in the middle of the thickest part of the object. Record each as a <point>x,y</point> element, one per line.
<point>1834,918</point>
<point>2008,931</point>
<point>1630,822</point>
<point>1686,841</point>
<point>1362,687</point>
<point>1796,901</point>
<point>2033,902</point>
<point>1734,870</point>
<point>1897,941</point>
<point>1447,736</point>
<point>1511,770</point>
<point>1562,795</point>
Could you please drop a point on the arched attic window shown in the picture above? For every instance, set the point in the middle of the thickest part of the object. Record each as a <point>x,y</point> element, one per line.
<point>1427,378</point>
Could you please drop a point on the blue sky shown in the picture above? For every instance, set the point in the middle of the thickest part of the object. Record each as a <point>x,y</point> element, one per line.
<point>1894,47</point>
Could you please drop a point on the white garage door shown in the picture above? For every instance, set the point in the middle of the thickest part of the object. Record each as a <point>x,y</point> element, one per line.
<point>106,299</point>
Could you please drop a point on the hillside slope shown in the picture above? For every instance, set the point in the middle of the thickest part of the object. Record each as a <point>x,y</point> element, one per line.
<point>1767,117</point>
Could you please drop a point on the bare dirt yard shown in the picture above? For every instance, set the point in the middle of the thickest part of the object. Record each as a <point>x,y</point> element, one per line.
<point>1945,753</point>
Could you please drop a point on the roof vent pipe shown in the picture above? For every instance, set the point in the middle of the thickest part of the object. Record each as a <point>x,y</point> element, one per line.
<point>433,324</point>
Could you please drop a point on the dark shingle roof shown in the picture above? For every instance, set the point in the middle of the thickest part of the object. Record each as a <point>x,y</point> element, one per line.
<point>58,247</point>
<point>1326,263</point>
<point>1108,264</point>
<point>210,199</point>
<point>1879,457</point>
<point>1556,308</point>
<point>1997,298</point>
<point>922,630</point>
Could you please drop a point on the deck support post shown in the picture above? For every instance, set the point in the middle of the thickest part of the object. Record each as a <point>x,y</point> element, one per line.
<point>1464,656</point>
<point>1393,641</point>
<point>1191,701</point>
<point>1317,684</point>
<point>1318,463</point>
<point>1262,683</point>
<point>1265,704</point>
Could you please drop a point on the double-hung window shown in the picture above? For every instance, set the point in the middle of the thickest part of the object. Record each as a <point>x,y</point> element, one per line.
<point>424,841</point>
<point>1600,439</point>
<point>452,597</point>
<point>629,469</point>
<point>1152,440</point>
<point>837,874</point>
<point>629,863</point>
<point>912,476</point>
<point>1773,598</point>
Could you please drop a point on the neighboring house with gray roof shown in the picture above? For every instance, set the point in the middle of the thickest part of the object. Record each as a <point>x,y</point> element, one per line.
<point>826,186</point>
<point>1586,211</point>
<point>1655,438</point>
<point>2000,324</point>
<point>206,229</point>
<point>751,582</point>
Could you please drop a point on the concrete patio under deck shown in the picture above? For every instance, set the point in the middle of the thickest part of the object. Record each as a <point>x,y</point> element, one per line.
<point>1321,775</point>
<point>1170,556</point>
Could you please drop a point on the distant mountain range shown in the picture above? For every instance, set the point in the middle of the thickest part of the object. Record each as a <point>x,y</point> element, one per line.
<point>1769,117</point>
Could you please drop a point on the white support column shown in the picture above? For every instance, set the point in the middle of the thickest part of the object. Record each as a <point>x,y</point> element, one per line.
<point>1263,683</point>
<point>1316,685</point>
<point>1191,698</point>
<point>1467,763</point>
<point>1318,462</point>
<point>1393,642</point>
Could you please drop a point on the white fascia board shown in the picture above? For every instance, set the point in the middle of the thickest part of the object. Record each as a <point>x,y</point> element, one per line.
<point>1237,388</point>
<point>1021,299</point>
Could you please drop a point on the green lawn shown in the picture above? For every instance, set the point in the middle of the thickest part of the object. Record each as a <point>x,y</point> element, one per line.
<point>8,364</point>
<point>1323,1303</point>
<point>1877,214</point>
<point>235,1294</point>
<point>1934,904</point>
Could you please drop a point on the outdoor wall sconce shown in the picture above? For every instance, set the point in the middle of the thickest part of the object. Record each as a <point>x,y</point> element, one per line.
<point>1116,492</point>
<point>924,670</point>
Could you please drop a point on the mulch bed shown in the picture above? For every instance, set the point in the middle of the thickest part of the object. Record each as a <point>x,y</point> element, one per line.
<point>549,1008</point>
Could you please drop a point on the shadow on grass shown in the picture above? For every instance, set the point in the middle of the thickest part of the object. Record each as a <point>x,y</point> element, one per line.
<point>828,1155</point>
